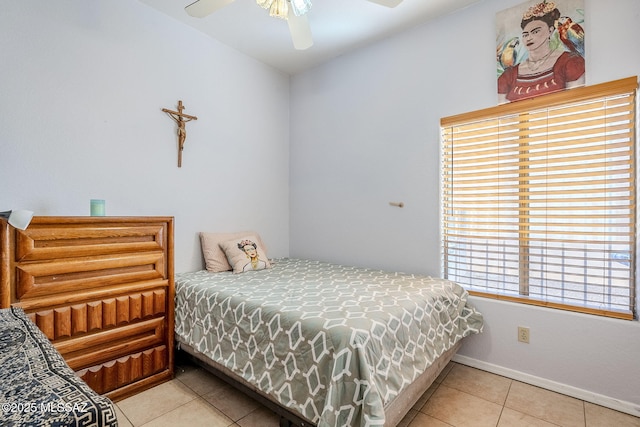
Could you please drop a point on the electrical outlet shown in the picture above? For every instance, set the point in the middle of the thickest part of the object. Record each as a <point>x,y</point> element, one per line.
<point>523,334</point>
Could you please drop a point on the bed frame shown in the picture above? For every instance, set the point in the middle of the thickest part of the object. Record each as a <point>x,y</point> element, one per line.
<point>394,412</point>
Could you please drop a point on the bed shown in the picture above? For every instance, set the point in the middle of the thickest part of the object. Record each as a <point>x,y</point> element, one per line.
<point>326,344</point>
<point>37,387</point>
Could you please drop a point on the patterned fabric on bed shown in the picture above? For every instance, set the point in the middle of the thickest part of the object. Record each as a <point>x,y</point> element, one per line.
<point>334,343</point>
<point>37,387</point>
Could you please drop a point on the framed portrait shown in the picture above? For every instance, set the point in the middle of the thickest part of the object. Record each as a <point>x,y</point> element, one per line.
<point>539,49</point>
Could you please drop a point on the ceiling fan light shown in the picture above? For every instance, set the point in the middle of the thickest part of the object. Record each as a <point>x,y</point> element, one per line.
<point>300,31</point>
<point>300,7</point>
<point>279,9</point>
<point>387,3</point>
<point>265,4</point>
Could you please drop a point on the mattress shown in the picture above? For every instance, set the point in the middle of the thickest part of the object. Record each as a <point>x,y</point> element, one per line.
<point>333,343</point>
<point>37,387</point>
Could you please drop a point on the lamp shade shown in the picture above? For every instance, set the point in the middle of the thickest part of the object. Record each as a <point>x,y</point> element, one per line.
<point>18,219</point>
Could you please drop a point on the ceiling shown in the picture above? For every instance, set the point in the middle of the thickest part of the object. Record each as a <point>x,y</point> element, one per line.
<point>338,26</point>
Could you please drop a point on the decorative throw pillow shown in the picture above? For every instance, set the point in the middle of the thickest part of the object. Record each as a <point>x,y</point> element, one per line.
<point>215,259</point>
<point>245,254</point>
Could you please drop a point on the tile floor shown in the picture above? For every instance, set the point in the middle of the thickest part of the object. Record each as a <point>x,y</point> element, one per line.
<point>461,396</point>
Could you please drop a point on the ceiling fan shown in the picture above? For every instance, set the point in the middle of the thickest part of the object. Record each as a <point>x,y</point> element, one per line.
<point>293,11</point>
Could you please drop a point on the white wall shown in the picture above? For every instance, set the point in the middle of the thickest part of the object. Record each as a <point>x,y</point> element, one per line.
<point>81,91</point>
<point>365,131</point>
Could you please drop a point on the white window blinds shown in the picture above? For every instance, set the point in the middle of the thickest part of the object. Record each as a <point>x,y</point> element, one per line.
<point>539,200</point>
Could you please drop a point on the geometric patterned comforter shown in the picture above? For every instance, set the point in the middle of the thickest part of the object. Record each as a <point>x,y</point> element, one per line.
<point>333,343</point>
<point>37,387</point>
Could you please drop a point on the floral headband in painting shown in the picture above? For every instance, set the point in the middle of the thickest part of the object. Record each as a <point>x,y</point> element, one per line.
<point>539,10</point>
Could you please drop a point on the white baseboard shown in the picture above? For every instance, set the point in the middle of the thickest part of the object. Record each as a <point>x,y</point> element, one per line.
<point>598,399</point>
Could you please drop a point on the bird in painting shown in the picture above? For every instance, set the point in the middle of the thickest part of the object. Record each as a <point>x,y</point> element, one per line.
<point>571,34</point>
<point>507,53</point>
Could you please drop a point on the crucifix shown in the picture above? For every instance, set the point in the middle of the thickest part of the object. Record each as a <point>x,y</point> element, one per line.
<point>180,118</point>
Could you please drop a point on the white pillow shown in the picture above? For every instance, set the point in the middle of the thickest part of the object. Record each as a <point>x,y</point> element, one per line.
<point>245,254</point>
<point>215,259</point>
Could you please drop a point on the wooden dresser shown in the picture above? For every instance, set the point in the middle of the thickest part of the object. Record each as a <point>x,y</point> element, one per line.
<point>102,290</point>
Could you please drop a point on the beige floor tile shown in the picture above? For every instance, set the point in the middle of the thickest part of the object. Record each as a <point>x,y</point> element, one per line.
<point>231,402</point>
<point>408,418</point>
<point>261,417</point>
<point>200,380</point>
<point>546,405</point>
<point>462,396</point>
<point>512,418</point>
<point>491,387</point>
<point>123,421</point>
<point>424,420</point>
<point>598,416</point>
<point>461,409</point>
<point>196,413</point>
<point>152,403</point>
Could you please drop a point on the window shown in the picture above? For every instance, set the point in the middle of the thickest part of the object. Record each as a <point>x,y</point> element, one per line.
<point>539,200</point>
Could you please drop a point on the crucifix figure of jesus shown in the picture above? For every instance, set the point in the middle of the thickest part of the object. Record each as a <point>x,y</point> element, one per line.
<point>180,118</point>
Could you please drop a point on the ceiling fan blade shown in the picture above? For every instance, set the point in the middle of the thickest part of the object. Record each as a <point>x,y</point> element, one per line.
<point>388,3</point>
<point>300,31</point>
<point>202,8</point>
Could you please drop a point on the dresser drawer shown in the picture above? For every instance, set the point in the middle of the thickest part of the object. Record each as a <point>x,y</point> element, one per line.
<point>66,276</point>
<point>89,350</point>
<point>114,374</point>
<point>81,318</point>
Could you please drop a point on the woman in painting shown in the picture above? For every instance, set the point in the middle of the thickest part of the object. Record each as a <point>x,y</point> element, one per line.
<point>251,250</point>
<point>545,69</point>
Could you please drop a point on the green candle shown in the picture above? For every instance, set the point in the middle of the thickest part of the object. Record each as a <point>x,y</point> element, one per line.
<point>97,207</point>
